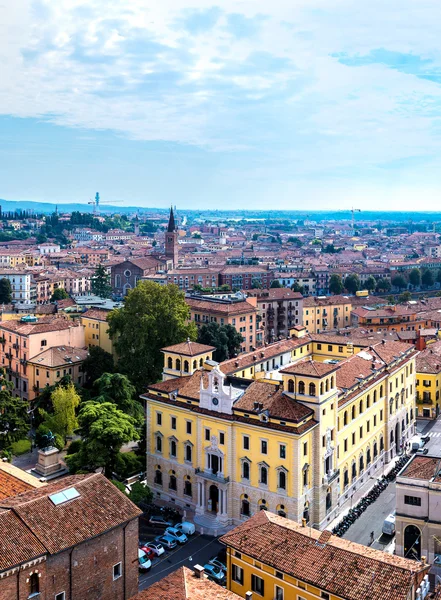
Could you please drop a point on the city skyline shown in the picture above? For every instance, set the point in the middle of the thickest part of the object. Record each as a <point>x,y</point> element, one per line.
<point>240,106</point>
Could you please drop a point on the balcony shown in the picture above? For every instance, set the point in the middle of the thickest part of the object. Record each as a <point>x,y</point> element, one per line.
<point>16,346</point>
<point>330,476</point>
<point>211,476</point>
<point>8,355</point>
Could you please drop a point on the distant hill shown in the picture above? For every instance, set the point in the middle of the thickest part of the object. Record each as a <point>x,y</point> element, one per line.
<point>48,207</point>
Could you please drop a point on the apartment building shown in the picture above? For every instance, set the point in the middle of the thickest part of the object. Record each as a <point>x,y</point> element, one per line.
<point>95,326</point>
<point>59,542</point>
<point>386,318</point>
<point>187,278</point>
<point>228,310</point>
<point>295,427</point>
<point>418,498</point>
<point>274,558</point>
<point>428,381</point>
<point>278,311</point>
<point>21,286</point>
<point>246,277</point>
<point>326,313</point>
<point>23,342</point>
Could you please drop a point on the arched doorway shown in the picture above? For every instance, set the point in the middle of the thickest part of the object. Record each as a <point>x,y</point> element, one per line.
<point>397,437</point>
<point>126,288</point>
<point>213,498</point>
<point>328,499</point>
<point>412,542</point>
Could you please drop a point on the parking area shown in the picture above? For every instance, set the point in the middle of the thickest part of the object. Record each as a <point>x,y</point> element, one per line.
<point>198,550</point>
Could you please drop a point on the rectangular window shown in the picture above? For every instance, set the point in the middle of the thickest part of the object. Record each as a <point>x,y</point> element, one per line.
<point>282,449</point>
<point>257,585</point>
<point>361,432</point>
<point>324,595</point>
<point>329,348</point>
<point>158,418</point>
<point>305,448</point>
<point>353,438</point>
<point>375,420</point>
<point>237,574</point>
<point>207,435</point>
<point>412,500</point>
<point>278,593</point>
<point>279,575</point>
<point>381,414</point>
<point>221,438</point>
<point>117,571</point>
<point>189,427</point>
<point>264,447</point>
<point>173,422</point>
<point>319,346</point>
<point>246,442</point>
<point>345,444</point>
<point>368,426</point>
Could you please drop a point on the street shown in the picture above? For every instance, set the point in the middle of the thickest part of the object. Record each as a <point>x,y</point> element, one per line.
<point>432,428</point>
<point>198,550</point>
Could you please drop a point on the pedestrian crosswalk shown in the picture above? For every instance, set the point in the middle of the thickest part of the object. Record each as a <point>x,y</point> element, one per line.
<point>436,434</point>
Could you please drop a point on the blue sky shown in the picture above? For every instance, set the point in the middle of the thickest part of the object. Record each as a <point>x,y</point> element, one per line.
<point>236,104</point>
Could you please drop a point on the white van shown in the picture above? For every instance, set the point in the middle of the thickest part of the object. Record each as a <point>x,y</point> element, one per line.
<point>416,443</point>
<point>186,527</point>
<point>389,525</point>
<point>144,562</point>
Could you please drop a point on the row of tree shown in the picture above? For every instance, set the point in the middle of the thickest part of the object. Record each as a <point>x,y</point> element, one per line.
<point>415,278</point>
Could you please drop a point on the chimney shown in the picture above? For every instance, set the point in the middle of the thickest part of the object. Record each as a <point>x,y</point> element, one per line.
<point>199,571</point>
<point>249,596</point>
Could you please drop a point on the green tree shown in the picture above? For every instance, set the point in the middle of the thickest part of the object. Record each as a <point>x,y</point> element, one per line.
<point>370,283</point>
<point>405,296</point>
<point>65,401</point>
<point>352,283</point>
<point>153,317</point>
<point>5,291</point>
<point>399,282</point>
<point>329,249</point>
<point>415,277</point>
<point>98,362</point>
<point>336,284</point>
<point>224,338</point>
<point>59,294</point>
<point>116,388</point>
<point>427,278</point>
<point>14,418</point>
<point>140,494</point>
<point>104,429</point>
<point>297,288</point>
<point>276,284</point>
<point>296,241</point>
<point>101,283</point>
<point>256,284</point>
<point>383,285</point>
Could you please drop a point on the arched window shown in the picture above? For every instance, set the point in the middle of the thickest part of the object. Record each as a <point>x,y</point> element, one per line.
<point>345,418</point>
<point>361,463</point>
<point>321,388</point>
<point>245,470</point>
<point>158,475</point>
<point>345,477</point>
<point>312,389</point>
<point>391,406</point>
<point>170,362</point>
<point>327,385</point>
<point>391,437</point>
<point>381,444</point>
<point>403,426</point>
<point>34,584</point>
<point>291,386</point>
<point>375,450</point>
<point>381,391</point>
<point>195,364</point>
<point>328,499</point>
<point>306,511</point>
<point>201,362</point>
<point>244,506</point>
<point>407,418</point>
<point>188,453</point>
<point>411,368</point>
<point>173,448</point>
<point>368,456</point>
<point>360,407</point>
<point>354,470</point>
<point>186,366</point>
<point>301,387</point>
<point>172,484</point>
<point>282,480</point>
<point>281,510</point>
<point>368,401</point>
<point>264,475</point>
<point>187,488</point>
<point>262,505</point>
<point>178,364</point>
<point>375,396</point>
<point>332,382</point>
<point>411,414</point>
<point>353,412</point>
<point>117,281</point>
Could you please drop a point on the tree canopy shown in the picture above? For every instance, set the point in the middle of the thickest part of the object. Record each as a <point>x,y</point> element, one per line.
<point>98,362</point>
<point>336,284</point>
<point>383,285</point>
<point>116,388</point>
<point>352,283</point>
<point>399,281</point>
<point>59,294</point>
<point>276,284</point>
<point>370,283</point>
<point>14,418</point>
<point>101,283</point>
<point>152,317</point>
<point>415,277</point>
<point>427,278</point>
<point>224,338</point>
<point>5,291</point>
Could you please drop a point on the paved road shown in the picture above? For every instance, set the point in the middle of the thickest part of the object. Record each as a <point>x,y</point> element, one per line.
<point>432,428</point>
<point>372,520</point>
<point>198,550</point>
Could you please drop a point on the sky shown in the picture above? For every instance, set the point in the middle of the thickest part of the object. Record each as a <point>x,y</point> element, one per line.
<point>251,104</point>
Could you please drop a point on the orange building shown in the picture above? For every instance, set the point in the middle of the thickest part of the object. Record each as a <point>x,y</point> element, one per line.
<point>387,318</point>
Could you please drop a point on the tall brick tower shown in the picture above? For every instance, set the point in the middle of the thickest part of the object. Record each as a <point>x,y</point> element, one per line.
<point>171,239</point>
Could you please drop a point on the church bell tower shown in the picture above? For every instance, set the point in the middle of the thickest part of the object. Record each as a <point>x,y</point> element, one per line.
<point>171,239</point>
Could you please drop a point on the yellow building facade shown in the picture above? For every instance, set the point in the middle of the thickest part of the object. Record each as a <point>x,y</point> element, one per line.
<point>428,382</point>
<point>96,326</point>
<point>326,313</point>
<point>294,428</point>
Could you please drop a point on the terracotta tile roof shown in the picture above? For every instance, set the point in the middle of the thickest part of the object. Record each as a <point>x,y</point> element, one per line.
<point>59,356</point>
<point>273,400</point>
<point>422,467</point>
<point>189,348</point>
<point>11,486</point>
<point>43,325</point>
<point>275,294</point>
<point>230,308</point>
<point>311,301</point>
<point>429,360</point>
<point>188,386</point>
<point>183,584</point>
<point>339,567</point>
<point>17,543</point>
<point>310,368</point>
<point>99,508</point>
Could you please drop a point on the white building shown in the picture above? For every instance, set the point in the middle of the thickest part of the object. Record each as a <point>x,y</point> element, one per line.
<point>49,248</point>
<point>20,286</point>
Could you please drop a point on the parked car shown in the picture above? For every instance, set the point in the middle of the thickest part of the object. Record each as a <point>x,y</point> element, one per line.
<point>176,535</point>
<point>148,551</point>
<point>389,525</point>
<point>167,541</point>
<point>217,563</point>
<point>425,438</point>
<point>186,527</point>
<point>215,573</point>
<point>144,563</point>
<point>159,521</point>
<point>155,547</point>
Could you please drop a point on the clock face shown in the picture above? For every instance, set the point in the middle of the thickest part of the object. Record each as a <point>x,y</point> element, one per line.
<point>215,401</point>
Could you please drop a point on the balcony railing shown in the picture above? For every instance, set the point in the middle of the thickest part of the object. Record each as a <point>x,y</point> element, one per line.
<point>211,476</point>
